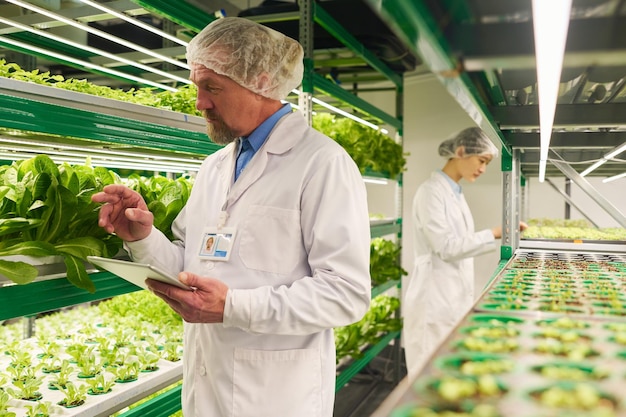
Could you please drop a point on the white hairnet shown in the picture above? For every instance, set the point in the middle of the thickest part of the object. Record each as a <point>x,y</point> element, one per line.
<point>254,56</point>
<point>473,140</point>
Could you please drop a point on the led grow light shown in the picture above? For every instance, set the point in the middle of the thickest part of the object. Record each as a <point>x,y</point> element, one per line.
<point>550,25</point>
<point>97,32</point>
<point>84,64</point>
<point>114,57</point>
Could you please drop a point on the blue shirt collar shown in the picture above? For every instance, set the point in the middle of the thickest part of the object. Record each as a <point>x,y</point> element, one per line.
<point>260,134</point>
<point>455,185</point>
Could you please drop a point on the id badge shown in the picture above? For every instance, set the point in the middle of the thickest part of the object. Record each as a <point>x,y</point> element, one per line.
<point>217,244</point>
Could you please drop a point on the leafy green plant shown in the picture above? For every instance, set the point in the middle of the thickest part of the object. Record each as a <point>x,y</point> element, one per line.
<point>46,210</point>
<point>89,366</point>
<point>24,373</point>
<point>41,409</point>
<point>349,340</point>
<point>370,149</point>
<point>27,389</point>
<point>148,360</point>
<point>100,384</point>
<point>62,378</point>
<point>74,395</point>
<point>172,352</point>
<point>126,373</point>
<point>182,101</point>
<point>4,405</point>
<point>165,197</point>
<point>384,261</point>
<point>51,364</point>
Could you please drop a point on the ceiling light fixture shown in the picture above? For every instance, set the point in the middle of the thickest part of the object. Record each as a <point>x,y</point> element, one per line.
<point>102,152</point>
<point>550,25</point>
<point>97,32</point>
<point>134,21</point>
<point>84,64</point>
<point>60,158</point>
<point>342,112</point>
<point>371,180</point>
<point>114,57</point>
<point>608,156</point>
<point>614,177</point>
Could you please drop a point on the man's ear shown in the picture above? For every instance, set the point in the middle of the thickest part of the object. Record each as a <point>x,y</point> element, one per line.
<point>263,81</point>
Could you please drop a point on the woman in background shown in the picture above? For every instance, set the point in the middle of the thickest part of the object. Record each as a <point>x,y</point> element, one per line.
<point>440,289</point>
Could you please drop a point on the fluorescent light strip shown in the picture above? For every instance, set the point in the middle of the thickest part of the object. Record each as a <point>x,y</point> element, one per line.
<point>615,177</point>
<point>550,25</point>
<point>343,113</point>
<point>97,32</point>
<point>380,181</point>
<point>85,63</point>
<point>593,167</point>
<point>616,151</point>
<point>108,152</point>
<point>59,159</point>
<point>609,155</point>
<point>115,158</point>
<point>114,57</point>
<point>135,22</point>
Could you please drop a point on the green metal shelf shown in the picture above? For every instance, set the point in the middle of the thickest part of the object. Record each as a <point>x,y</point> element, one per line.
<point>37,108</point>
<point>53,294</point>
<point>383,229</point>
<point>355,367</point>
<point>162,405</point>
<point>384,287</point>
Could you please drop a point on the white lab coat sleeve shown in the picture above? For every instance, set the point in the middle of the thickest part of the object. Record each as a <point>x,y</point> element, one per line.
<point>336,236</point>
<point>449,242</point>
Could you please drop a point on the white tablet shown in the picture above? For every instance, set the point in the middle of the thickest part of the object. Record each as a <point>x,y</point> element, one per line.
<point>135,272</point>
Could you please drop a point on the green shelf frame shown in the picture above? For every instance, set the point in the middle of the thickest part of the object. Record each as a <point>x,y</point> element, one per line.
<point>162,405</point>
<point>355,367</point>
<point>384,287</point>
<point>53,294</point>
<point>36,116</point>
<point>385,229</point>
<point>330,88</point>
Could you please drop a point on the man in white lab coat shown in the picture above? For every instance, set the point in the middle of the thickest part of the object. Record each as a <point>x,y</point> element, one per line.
<point>286,210</point>
<point>440,288</point>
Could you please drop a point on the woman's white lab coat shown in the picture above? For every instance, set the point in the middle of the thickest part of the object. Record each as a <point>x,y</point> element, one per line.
<point>440,288</point>
<point>299,267</point>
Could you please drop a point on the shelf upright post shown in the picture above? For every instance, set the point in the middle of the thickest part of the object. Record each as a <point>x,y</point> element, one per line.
<point>397,345</point>
<point>525,192</point>
<point>29,326</point>
<point>510,203</point>
<point>305,100</point>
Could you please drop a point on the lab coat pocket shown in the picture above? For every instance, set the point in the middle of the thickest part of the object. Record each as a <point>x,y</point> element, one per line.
<point>271,239</point>
<point>285,383</point>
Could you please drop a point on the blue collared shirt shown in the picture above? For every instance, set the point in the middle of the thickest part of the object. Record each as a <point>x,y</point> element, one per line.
<point>455,185</point>
<point>257,138</point>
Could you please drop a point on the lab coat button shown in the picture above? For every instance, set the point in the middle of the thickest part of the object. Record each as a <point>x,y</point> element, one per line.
<point>210,265</point>
<point>202,371</point>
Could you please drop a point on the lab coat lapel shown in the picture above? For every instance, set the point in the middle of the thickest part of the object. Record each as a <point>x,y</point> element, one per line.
<point>283,137</point>
<point>459,201</point>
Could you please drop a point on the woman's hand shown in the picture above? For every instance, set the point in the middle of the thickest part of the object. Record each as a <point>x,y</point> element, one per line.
<point>124,212</point>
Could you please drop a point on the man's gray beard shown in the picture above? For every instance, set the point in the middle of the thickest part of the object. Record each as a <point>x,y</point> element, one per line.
<point>220,134</point>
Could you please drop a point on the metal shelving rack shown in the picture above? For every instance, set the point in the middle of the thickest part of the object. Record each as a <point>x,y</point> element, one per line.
<point>310,13</point>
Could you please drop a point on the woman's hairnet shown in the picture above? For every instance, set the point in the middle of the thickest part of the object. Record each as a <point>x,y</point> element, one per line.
<point>254,56</point>
<point>473,140</point>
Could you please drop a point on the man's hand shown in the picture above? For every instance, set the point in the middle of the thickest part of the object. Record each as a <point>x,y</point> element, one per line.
<point>203,305</point>
<point>124,212</point>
